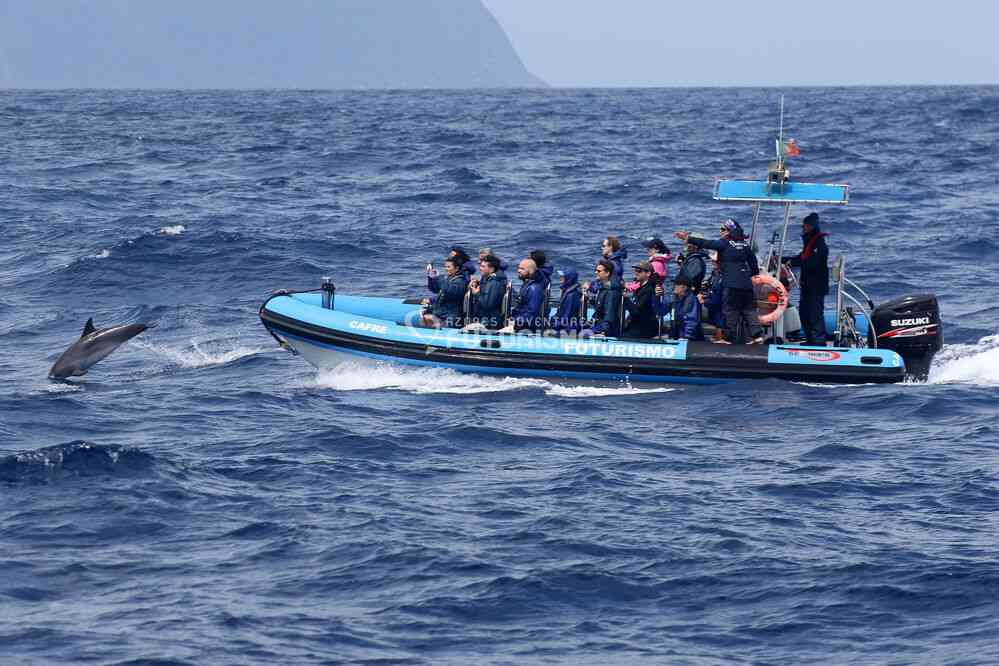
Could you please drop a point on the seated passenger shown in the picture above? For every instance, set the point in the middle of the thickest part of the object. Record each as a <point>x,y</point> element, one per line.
<point>710,297</point>
<point>526,312</point>
<point>466,264</point>
<point>546,269</point>
<point>567,317</point>
<point>686,324</point>
<point>612,251</point>
<point>487,294</point>
<point>485,252</point>
<point>607,302</point>
<point>643,320</point>
<point>450,300</point>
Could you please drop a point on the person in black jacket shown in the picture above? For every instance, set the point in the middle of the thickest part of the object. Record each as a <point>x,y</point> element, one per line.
<point>738,266</point>
<point>814,264</point>
<point>643,321</point>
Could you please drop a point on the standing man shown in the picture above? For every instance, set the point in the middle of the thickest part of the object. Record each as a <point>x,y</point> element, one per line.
<point>814,264</point>
<point>738,266</point>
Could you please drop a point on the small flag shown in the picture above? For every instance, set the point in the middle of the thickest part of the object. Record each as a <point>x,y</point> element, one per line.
<point>791,148</point>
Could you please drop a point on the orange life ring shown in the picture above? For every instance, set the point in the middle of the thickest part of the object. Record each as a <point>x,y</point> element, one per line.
<point>776,297</point>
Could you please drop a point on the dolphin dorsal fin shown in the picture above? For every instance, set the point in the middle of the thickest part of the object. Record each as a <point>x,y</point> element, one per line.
<point>88,328</point>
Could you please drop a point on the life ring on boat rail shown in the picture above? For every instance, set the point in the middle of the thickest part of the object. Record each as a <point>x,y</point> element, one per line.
<point>776,297</point>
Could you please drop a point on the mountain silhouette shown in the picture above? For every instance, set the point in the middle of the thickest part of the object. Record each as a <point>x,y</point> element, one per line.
<point>256,44</point>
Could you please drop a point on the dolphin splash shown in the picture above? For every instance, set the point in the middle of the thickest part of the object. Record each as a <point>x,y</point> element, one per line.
<point>94,345</point>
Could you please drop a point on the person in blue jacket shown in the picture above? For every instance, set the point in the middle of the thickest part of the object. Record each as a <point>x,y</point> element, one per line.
<point>710,297</point>
<point>526,313</point>
<point>612,251</point>
<point>487,294</point>
<point>814,264</point>
<point>567,317</point>
<point>686,324</point>
<point>607,303</point>
<point>738,266</point>
<point>450,300</point>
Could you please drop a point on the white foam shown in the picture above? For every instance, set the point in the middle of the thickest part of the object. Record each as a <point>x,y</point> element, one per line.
<point>353,376</point>
<point>103,254</point>
<point>199,354</point>
<point>967,364</point>
<point>175,230</point>
<point>61,387</point>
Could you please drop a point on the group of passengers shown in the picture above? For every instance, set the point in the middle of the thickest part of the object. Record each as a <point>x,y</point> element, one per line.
<point>715,288</point>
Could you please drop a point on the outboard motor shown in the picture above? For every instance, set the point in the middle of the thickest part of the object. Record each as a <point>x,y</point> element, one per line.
<point>911,327</point>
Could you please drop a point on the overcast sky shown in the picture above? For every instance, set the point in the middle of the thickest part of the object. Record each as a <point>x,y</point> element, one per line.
<point>729,42</point>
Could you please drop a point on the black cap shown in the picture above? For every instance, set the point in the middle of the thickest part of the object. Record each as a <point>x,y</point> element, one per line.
<point>811,219</point>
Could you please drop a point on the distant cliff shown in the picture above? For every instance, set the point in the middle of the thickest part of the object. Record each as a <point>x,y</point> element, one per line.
<point>255,44</point>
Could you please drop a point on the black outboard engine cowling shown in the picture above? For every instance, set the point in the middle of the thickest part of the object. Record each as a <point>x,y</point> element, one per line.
<point>910,326</point>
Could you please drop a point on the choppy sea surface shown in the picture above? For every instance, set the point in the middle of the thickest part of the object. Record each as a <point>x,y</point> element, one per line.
<point>202,497</point>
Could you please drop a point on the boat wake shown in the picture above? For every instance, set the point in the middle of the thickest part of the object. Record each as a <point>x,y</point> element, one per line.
<point>200,354</point>
<point>352,376</point>
<point>967,364</point>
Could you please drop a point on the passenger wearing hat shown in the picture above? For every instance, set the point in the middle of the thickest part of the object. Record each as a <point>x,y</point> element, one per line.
<point>643,321</point>
<point>694,266</point>
<point>814,264</point>
<point>738,266</point>
<point>686,321</point>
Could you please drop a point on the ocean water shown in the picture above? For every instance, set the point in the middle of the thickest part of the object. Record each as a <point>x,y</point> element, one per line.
<point>202,497</point>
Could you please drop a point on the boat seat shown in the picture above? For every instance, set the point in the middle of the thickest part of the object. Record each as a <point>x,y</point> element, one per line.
<point>545,305</point>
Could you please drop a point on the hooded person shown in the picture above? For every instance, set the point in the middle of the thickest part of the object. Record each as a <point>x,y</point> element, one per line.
<point>813,260</point>
<point>686,309</point>
<point>567,317</point>
<point>738,266</point>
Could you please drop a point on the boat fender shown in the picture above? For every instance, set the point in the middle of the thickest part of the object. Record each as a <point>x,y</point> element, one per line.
<point>777,289</point>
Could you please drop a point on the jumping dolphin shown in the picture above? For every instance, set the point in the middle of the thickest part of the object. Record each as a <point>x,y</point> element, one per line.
<point>93,346</point>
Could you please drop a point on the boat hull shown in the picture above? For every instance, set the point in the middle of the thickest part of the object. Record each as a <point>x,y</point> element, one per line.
<point>372,328</point>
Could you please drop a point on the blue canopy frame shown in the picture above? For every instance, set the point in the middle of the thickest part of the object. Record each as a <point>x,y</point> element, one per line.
<point>760,191</point>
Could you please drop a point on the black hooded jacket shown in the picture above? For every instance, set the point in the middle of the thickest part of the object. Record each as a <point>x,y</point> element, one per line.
<point>814,263</point>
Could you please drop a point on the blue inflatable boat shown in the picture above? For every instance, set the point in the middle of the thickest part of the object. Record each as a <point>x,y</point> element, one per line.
<point>871,344</point>
<point>374,328</point>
